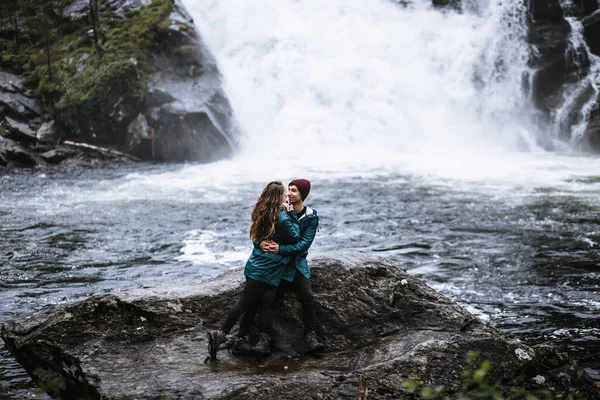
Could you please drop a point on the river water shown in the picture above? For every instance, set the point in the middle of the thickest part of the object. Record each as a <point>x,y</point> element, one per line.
<point>519,250</point>
<point>417,131</point>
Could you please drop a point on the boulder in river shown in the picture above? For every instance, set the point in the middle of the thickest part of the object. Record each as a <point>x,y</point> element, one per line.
<point>377,322</point>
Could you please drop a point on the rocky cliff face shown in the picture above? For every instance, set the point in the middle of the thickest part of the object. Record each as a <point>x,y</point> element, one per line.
<point>144,83</point>
<point>562,87</point>
<point>565,42</point>
<point>186,114</point>
<point>376,322</point>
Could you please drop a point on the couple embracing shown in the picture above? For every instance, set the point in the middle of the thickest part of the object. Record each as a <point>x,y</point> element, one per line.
<point>282,230</point>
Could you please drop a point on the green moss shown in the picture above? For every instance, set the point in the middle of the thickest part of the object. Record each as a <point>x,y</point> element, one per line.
<point>90,97</point>
<point>50,387</point>
<point>109,76</point>
<point>139,32</point>
<point>13,60</point>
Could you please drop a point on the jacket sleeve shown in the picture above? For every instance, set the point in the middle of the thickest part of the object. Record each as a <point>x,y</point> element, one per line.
<point>305,241</point>
<point>290,227</point>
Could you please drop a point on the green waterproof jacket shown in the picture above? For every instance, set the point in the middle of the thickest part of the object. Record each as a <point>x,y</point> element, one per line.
<point>268,267</point>
<point>309,223</point>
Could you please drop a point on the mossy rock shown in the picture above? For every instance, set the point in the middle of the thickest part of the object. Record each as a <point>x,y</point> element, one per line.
<point>93,98</point>
<point>149,66</point>
<point>93,103</point>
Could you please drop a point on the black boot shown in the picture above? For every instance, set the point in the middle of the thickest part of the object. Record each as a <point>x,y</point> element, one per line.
<point>241,346</point>
<point>312,344</point>
<point>215,338</point>
<point>263,344</point>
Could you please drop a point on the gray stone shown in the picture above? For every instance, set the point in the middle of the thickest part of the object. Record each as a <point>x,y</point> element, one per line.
<point>4,146</point>
<point>376,321</point>
<point>186,106</point>
<point>10,104</point>
<point>138,131</point>
<point>80,65</point>
<point>591,136</point>
<point>592,19</point>
<point>19,104</point>
<point>48,133</point>
<point>122,7</point>
<point>76,9</point>
<point>591,32</point>
<point>12,153</point>
<point>57,155</point>
<point>10,83</point>
<point>19,130</point>
<point>579,8</point>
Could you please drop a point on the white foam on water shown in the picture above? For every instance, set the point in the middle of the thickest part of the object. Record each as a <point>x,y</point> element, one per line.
<point>202,247</point>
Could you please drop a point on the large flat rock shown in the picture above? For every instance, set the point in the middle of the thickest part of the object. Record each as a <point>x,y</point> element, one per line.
<point>376,321</point>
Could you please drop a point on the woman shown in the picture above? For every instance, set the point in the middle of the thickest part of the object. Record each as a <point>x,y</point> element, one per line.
<point>272,219</point>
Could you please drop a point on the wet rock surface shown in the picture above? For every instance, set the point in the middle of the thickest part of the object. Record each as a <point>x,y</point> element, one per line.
<point>376,321</point>
<point>561,62</point>
<point>591,31</point>
<point>549,33</point>
<point>186,115</point>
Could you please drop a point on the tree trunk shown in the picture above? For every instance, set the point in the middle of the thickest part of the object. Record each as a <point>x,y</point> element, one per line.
<point>47,46</point>
<point>15,22</point>
<point>94,20</point>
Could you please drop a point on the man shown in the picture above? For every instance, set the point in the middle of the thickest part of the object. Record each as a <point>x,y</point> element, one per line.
<point>297,274</point>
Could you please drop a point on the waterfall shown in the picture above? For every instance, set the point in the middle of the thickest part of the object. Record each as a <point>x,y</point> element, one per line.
<point>372,77</point>
<point>570,119</point>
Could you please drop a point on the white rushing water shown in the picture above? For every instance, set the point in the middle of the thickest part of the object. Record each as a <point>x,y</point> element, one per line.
<point>579,97</point>
<point>356,84</point>
<point>355,79</point>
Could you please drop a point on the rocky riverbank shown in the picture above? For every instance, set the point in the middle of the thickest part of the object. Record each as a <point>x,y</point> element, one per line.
<point>376,321</point>
<point>127,79</point>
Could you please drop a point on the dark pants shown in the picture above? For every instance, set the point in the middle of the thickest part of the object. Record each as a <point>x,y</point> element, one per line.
<point>254,293</point>
<point>303,289</point>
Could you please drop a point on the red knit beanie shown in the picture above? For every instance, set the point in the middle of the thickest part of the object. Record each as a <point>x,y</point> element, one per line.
<point>303,186</point>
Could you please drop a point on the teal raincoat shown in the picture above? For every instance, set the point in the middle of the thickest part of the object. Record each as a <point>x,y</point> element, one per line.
<point>268,267</point>
<point>309,223</point>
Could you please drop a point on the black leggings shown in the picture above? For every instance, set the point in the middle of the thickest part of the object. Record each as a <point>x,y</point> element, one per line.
<point>303,289</point>
<point>254,291</point>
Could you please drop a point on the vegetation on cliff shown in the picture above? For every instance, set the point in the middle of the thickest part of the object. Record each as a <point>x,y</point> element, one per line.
<point>87,67</point>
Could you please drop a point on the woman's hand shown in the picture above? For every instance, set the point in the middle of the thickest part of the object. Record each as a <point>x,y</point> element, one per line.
<point>269,246</point>
<point>288,207</point>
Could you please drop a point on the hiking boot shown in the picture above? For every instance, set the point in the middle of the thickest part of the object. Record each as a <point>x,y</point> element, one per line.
<point>241,345</point>
<point>263,344</point>
<point>215,338</point>
<point>312,344</point>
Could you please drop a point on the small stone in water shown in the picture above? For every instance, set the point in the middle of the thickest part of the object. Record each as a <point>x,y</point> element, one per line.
<point>539,379</point>
<point>522,354</point>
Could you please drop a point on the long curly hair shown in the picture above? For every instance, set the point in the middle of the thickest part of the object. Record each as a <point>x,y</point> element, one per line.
<point>266,211</point>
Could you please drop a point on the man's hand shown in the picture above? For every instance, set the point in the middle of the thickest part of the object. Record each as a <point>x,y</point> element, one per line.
<point>269,246</point>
